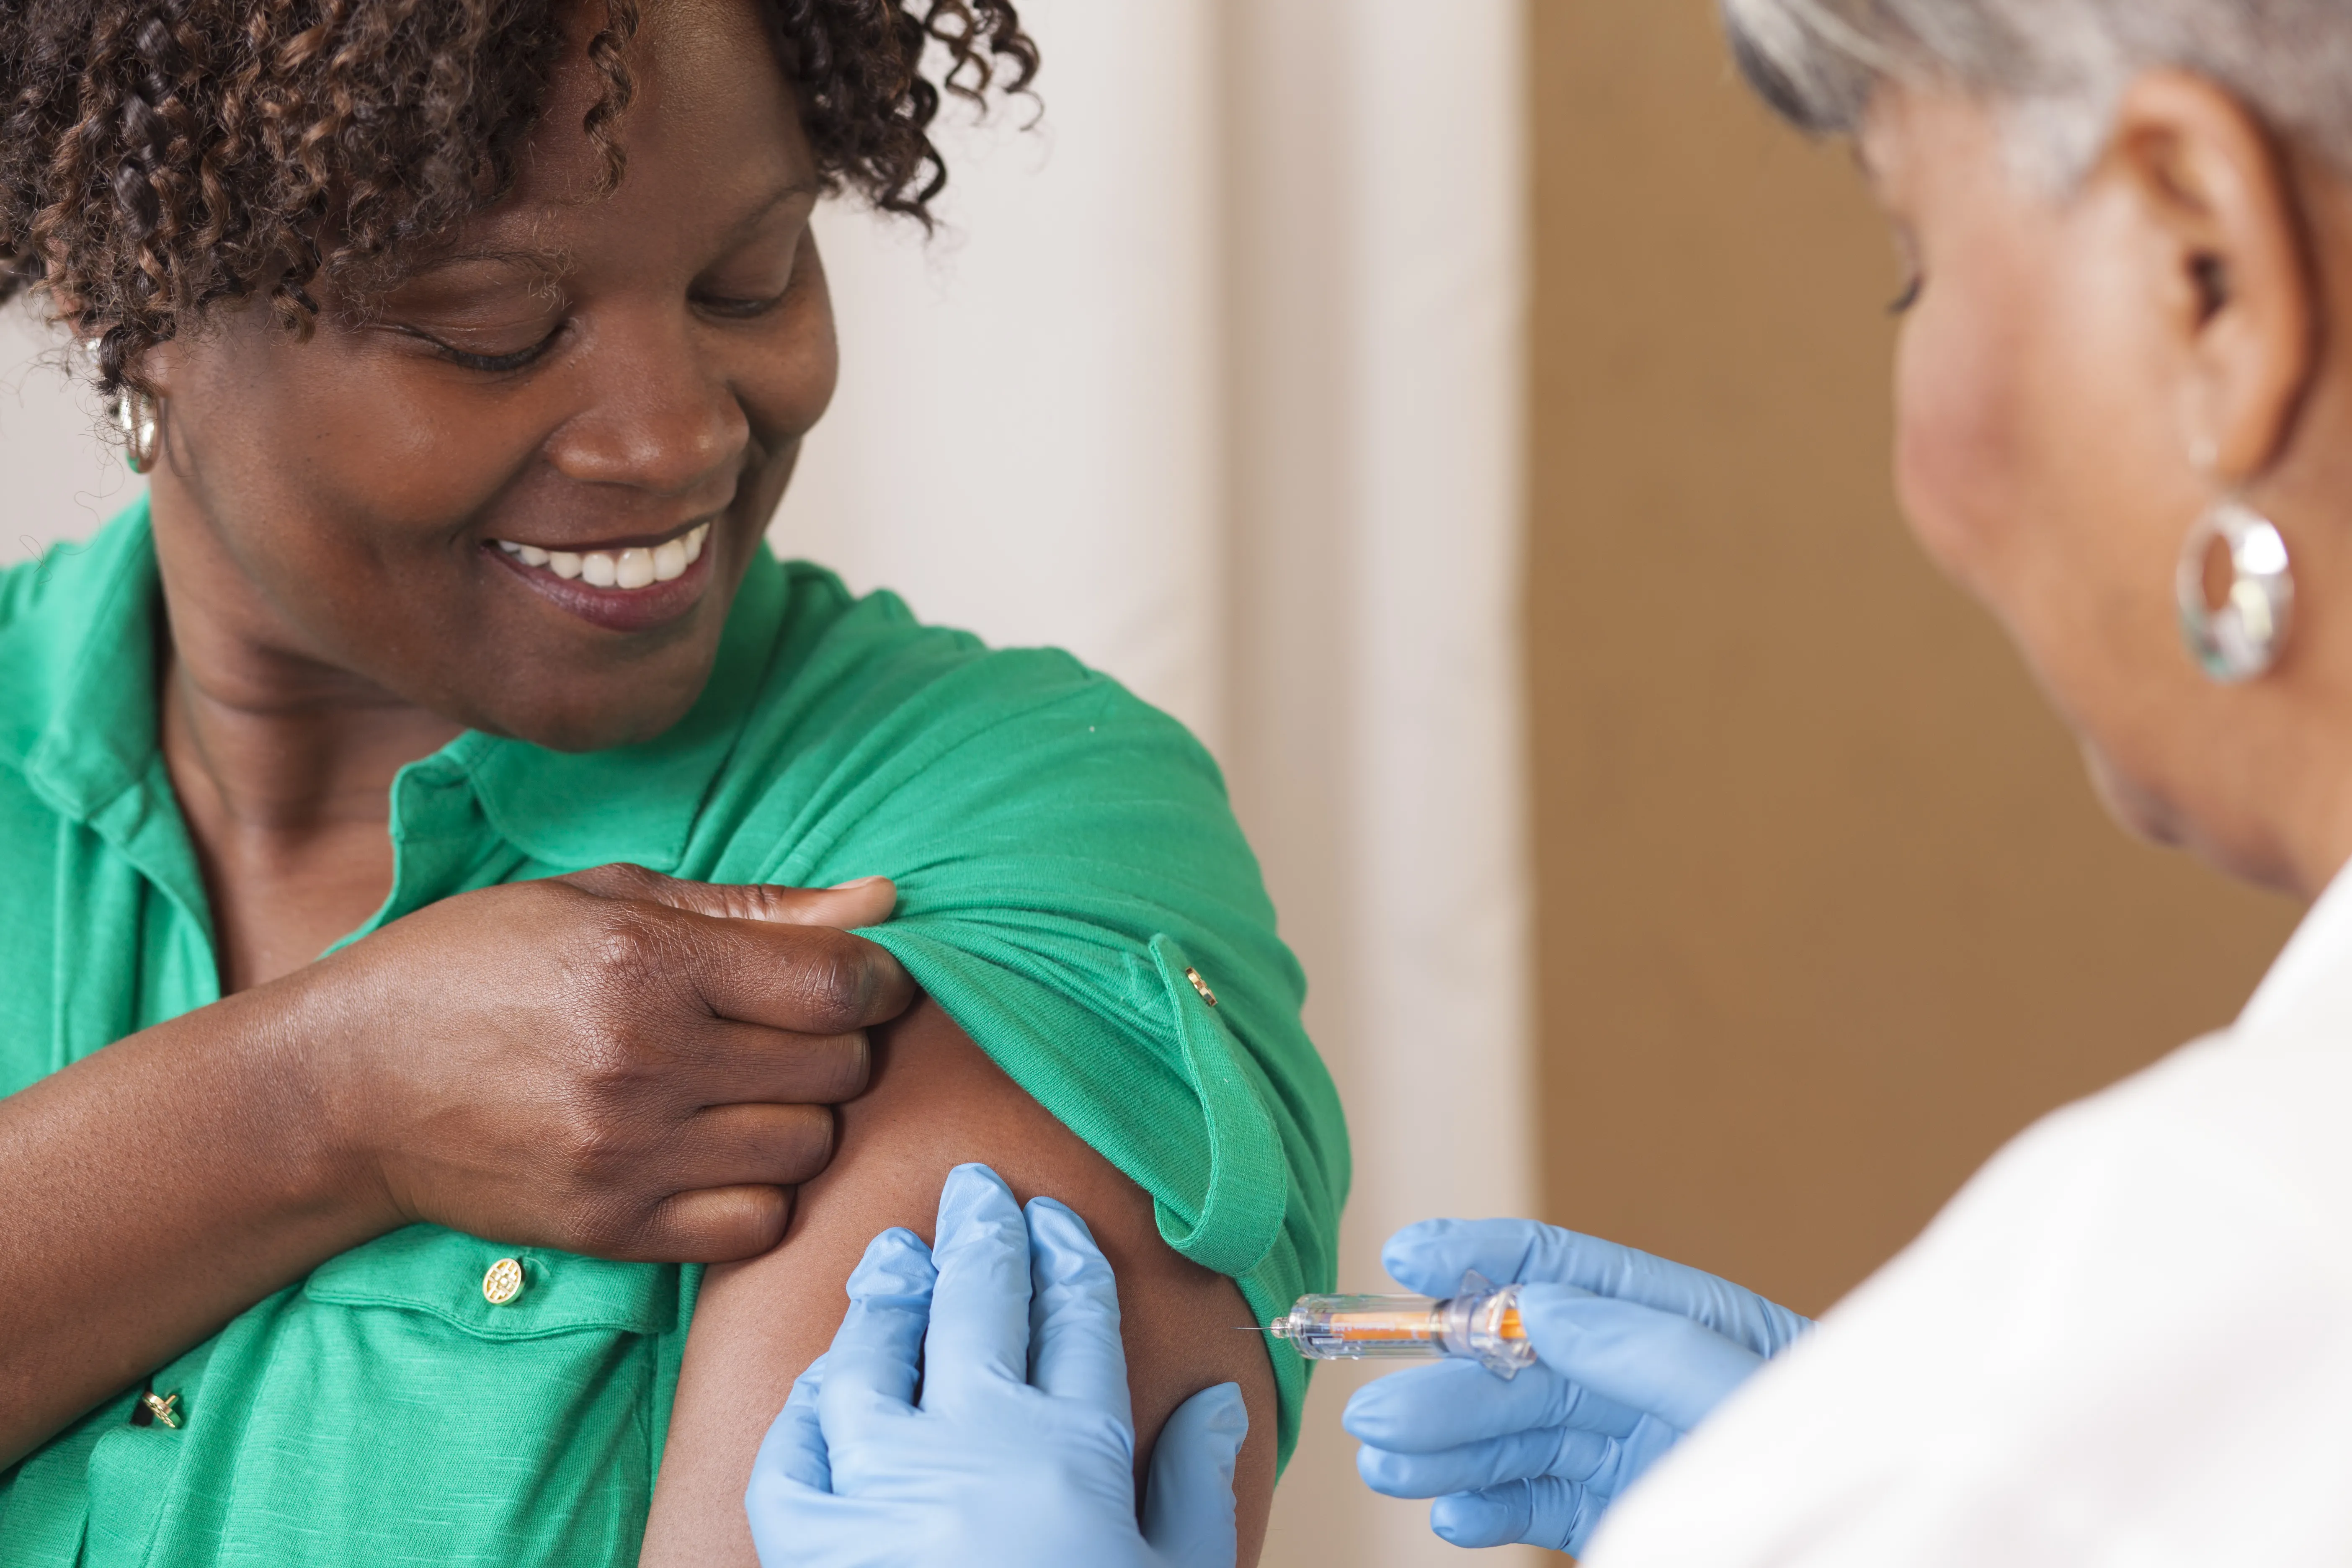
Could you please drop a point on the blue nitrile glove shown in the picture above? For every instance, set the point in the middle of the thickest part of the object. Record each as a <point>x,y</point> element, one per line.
<point>1633,1352</point>
<point>1021,1448</point>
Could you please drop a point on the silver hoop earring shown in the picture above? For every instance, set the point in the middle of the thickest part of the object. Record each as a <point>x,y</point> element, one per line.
<point>2243,638</point>
<point>142,419</point>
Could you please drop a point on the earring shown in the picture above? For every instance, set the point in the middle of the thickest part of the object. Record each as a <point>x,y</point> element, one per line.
<point>2244,637</point>
<point>142,419</point>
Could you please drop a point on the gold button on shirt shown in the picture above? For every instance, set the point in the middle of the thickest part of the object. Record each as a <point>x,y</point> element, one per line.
<point>503,1283</point>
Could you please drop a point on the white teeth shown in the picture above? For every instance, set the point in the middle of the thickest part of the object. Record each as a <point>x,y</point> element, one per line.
<point>618,569</point>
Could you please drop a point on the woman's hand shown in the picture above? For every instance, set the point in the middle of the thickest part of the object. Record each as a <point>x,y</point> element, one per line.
<point>614,1063</point>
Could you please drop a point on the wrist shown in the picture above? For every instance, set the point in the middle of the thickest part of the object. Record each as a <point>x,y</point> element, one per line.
<point>304,1040</point>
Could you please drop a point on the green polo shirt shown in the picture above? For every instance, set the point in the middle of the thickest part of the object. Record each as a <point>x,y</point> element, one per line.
<point>1063,853</point>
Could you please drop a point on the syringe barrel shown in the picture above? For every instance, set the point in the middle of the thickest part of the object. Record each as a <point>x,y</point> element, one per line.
<point>1365,1328</point>
<point>1479,1325</point>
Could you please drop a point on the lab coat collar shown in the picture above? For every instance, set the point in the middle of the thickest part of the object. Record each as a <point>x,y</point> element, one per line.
<point>2310,979</point>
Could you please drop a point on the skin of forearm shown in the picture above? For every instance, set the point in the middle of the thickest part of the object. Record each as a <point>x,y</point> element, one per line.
<point>936,1101</point>
<point>156,1189</point>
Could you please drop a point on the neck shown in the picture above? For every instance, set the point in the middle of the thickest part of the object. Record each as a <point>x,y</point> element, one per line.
<point>264,737</point>
<point>282,761</point>
<point>285,760</point>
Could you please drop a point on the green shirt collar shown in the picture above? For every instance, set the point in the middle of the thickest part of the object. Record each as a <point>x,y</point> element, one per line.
<point>83,726</point>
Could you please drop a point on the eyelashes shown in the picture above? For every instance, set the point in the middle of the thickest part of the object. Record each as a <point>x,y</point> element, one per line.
<point>738,309</point>
<point>496,364</point>
<point>1901,304</point>
<point>487,365</point>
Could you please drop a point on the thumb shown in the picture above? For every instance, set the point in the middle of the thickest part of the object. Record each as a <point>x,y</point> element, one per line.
<point>1188,1500</point>
<point>865,903</point>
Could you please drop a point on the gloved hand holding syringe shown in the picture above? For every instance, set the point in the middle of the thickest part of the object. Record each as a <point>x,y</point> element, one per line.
<point>1623,1353</point>
<point>1629,1351</point>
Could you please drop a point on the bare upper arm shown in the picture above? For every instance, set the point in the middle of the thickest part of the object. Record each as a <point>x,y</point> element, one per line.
<point>936,1101</point>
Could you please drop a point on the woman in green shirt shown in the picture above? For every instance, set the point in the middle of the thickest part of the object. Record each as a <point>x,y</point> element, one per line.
<point>468,345</point>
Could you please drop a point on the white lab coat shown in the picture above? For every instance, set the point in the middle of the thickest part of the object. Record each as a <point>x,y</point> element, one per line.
<point>2127,1340</point>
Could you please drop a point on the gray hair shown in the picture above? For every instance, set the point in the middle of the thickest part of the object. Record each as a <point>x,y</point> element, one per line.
<point>2056,67</point>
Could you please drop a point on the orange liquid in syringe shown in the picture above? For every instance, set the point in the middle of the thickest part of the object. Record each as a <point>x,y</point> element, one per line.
<point>1388,1327</point>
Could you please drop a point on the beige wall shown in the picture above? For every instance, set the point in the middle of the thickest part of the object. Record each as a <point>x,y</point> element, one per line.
<point>1827,911</point>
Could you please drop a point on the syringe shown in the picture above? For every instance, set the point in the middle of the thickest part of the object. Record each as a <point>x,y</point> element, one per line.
<point>1481,1323</point>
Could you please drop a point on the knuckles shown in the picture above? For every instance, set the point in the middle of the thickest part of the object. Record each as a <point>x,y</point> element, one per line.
<point>603,1146</point>
<point>803,1146</point>
<point>626,946</point>
<point>621,880</point>
<point>836,981</point>
<point>633,951</point>
<point>837,1069</point>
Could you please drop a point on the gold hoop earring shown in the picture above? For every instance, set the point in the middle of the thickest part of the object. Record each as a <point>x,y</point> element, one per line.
<point>141,421</point>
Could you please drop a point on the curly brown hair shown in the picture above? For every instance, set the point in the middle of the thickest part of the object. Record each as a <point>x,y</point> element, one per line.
<point>159,157</point>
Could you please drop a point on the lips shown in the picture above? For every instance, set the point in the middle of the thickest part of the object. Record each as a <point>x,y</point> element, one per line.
<point>627,589</point>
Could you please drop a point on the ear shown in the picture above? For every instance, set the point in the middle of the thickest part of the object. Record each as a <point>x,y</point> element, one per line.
<point>159,366</point>
<point>2223,219</point>
<point>155,366</point>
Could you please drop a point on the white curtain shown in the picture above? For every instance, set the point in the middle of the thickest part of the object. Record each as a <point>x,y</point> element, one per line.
<point>1375,195</point>
<point>1214,378</point>
<point>1026,438</point>
<point>1217,381</point>
<point>57,480</point>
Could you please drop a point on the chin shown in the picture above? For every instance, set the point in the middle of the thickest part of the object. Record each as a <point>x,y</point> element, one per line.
<point>575,725</point>
<point>563,703</point>
<point>600,732</point>
<point>2148,814</point>
<point>2138,808</point>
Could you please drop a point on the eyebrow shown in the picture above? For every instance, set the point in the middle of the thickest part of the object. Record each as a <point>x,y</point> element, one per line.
<point>548,265</point>
<point>545,266</point>
<point>790,190</point>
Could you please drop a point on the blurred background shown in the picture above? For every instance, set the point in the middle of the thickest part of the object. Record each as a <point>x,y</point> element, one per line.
<point>1472,420</point>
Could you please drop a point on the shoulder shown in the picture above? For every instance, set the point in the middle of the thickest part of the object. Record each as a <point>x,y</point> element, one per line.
<point>878,744</point>
<point>49,607</point>
<point>862,658</point>
<point>2133,1328</point>
<point>65,580</point>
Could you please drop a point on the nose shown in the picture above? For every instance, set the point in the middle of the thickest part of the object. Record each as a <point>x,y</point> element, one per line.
<point>659,417</point>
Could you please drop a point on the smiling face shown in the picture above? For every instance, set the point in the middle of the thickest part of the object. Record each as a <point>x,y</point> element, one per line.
<point>2082,374</point>
<point>522,490</point>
